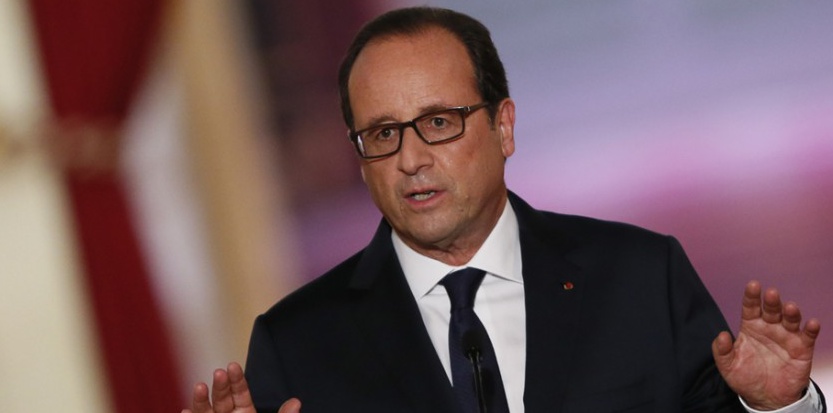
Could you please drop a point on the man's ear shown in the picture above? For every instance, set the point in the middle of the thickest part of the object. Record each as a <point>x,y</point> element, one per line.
<point>505,123</point>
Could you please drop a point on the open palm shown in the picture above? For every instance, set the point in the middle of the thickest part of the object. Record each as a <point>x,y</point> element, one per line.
<point>769,364</point>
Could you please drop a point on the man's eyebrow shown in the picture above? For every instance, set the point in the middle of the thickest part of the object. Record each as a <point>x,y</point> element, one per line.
<point>432,108</point>
<point>385,118</point>
<point>388,118</point>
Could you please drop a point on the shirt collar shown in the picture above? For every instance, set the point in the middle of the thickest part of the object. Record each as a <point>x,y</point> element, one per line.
<point>500,256</point>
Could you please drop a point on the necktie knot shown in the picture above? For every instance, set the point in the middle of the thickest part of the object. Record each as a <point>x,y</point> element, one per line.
<point>462,286</point>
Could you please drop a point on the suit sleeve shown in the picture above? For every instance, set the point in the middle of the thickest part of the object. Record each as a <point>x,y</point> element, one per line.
<point>263,370</point>
<point>697,321</point>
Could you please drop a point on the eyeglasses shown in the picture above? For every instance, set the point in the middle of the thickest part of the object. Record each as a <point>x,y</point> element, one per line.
<point>436,127</point>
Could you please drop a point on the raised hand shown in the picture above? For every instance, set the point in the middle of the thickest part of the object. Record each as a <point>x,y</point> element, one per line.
<point>769,364</point>
<point>230,394</point>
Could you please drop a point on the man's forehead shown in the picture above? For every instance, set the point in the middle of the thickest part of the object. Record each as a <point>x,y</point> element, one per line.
<point>396,78</point>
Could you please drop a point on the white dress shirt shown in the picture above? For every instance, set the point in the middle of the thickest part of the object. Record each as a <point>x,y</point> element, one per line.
<point>499,304</point>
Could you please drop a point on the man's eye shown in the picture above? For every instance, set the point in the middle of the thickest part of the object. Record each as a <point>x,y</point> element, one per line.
<point>384,134</point>
<point>439,122</point>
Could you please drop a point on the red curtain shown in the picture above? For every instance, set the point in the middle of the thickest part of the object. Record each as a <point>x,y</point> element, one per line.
<point>94,54</point>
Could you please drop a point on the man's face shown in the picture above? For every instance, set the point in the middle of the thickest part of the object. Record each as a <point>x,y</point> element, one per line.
<point>444,199</point>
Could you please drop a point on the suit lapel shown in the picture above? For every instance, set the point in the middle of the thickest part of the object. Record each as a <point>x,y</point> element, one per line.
<point>396,336</point>
<point>552,289</point>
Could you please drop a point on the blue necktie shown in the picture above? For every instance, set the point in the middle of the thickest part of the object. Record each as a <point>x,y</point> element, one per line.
<point>474,370</point>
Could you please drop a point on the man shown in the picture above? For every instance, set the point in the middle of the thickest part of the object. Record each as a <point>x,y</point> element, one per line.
<point>572,314</point>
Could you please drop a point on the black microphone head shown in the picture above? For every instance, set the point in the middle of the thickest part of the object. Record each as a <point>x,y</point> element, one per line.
<point>472,342</point>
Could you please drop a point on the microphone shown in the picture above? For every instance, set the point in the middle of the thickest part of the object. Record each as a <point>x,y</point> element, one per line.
<point>471,348</point>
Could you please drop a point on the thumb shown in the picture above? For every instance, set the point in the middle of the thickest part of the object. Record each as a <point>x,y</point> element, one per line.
<point>292,405</point>
<point>722,350</point>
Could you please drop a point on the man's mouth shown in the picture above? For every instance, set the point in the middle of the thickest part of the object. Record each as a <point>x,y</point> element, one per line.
<point>422,196</point>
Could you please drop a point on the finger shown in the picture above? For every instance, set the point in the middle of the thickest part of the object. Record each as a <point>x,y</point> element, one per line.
<point>199,402</point>
<point>792,317</point>
<point>772,308</point>
<point>221,392</point>
<point>722,350</point>
<point>751,301</point>
<point>239,388</point>
<point>811,331</point>
<point>292,405</point>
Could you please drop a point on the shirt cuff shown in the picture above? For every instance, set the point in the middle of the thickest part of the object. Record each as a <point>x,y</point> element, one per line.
<point>810,403</point>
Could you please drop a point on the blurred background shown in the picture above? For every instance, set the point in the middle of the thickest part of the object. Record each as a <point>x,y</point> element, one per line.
<point>168,170</point>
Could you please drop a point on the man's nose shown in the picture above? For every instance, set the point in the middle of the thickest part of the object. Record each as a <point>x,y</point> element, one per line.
<point>414,153</point>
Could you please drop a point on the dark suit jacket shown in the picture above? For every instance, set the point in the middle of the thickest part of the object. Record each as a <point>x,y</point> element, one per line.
<point>633,335</point>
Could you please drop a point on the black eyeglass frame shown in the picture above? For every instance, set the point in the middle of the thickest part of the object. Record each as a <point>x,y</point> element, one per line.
<point>464,111</point>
